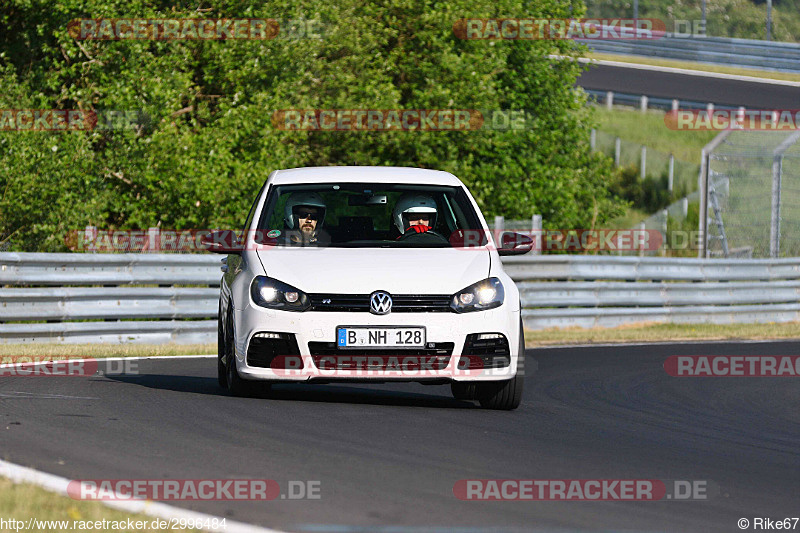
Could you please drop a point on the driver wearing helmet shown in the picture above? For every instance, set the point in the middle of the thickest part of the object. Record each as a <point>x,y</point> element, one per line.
<point>414,213</point>
<point>303,216</point>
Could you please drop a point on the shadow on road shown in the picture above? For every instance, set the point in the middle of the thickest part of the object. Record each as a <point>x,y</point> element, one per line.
<point>372,394</point>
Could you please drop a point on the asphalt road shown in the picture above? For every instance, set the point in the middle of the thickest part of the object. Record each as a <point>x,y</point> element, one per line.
<point>693,88</point>
<point>389,455</point>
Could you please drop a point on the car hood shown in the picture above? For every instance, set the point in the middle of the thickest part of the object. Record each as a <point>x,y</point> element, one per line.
<point>364,270</point>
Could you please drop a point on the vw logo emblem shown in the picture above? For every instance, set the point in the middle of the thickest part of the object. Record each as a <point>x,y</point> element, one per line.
<point>380,303</point>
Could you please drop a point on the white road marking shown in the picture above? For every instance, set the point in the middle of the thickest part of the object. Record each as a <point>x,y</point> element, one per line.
<point>58,484</point>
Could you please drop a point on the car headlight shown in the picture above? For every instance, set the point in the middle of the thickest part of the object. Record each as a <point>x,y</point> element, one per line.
<point>268,292</point>
<point>486,294</point>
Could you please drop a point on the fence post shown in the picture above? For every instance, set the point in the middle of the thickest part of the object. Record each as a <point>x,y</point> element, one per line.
<point>536,227</point>
<point>617,143</point>
<point>777,171</point>
<point>685,206</point>
<point>593,139</point>
<point>702,185</point>
<point>641,231</point>
<point>153,240</point>
<point>675,105</point>
<point>769,20</point>
<point>89,238</point>
<point>643,104</point>
<point>665,231</point>
<point>671,173</point>
<point>775,219</point>
<point>643,162</point>
<point>610,100</point>
<point>710,109</point>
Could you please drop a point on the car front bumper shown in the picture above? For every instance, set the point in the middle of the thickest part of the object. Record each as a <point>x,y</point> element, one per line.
<point>320,327</point>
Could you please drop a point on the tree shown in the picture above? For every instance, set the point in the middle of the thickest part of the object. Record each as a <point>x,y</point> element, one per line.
<point>210,142</point>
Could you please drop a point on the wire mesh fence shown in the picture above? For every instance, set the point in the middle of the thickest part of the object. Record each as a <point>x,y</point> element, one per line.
<point>657,163</point>
<point>753,200</point>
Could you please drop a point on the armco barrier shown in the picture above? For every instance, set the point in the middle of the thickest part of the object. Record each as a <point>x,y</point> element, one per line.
<point>770,55</point>
<point>159,298</point>
<point>607,291</point>
<point>113,298</point>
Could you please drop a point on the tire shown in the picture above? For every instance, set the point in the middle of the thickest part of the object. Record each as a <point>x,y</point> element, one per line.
<point>222,377</point>
<point>462,390</point>
<point>234,383</point>
<point>504,395</point>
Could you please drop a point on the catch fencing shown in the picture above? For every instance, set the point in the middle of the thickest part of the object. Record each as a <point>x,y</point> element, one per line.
<point>750,194</point>
<point>160,298</point>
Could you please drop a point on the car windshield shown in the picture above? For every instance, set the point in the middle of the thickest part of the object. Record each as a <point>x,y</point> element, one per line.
<point>367,215</point>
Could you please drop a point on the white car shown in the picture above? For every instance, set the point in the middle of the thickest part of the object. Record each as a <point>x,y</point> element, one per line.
<point>369,274</point>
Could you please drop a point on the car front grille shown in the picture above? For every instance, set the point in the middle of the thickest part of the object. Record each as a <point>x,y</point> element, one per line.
<point>436,355</point>
<point>401,303</point>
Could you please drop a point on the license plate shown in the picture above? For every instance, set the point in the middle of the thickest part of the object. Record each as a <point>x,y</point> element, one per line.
<point>391,337</point>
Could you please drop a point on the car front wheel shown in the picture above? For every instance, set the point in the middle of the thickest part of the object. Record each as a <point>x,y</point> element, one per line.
<point>504,395</point>
<point>222,377</point>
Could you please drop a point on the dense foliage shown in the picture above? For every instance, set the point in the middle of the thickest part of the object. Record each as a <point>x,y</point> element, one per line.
<point>744,19</point>
<point>210,142</point>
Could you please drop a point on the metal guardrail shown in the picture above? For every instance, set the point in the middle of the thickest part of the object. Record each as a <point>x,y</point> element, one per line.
<point>771,55</point>
<point>89,298</point>
<point>608,291</point>
<point>114,298</point>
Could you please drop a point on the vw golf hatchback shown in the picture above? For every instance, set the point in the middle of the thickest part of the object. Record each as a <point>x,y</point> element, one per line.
<point>370,274</point>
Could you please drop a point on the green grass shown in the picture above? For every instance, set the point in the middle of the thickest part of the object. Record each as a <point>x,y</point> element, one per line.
<point>663,333</point>
<point>630,219</point>
<point>77,351</point>
<point>647,332</point>
<point>649,129</point>
<point>24,501</point>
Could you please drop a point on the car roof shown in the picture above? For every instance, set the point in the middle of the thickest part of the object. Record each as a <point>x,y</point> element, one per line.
<point>354,174</point>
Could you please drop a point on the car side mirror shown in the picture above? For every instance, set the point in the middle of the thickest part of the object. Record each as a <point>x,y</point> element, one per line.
<point>512,243</point>
<point>222,242</point>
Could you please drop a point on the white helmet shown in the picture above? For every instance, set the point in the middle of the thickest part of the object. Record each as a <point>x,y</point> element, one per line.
<point>297,199</point>
<point>413,203</point>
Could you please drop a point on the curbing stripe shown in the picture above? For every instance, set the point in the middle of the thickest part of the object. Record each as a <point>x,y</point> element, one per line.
<point>58,484</point>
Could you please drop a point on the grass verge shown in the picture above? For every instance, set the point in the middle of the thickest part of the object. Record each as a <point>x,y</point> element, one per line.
<point>24,501</point>
<point>643,332</point>
<point>693,65</point>
<point>649,129</point>
<point>77,351</point>
<point>663,333</point>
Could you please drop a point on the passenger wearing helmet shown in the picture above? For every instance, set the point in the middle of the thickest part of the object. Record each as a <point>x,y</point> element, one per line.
<point>303,215</point>
<point>414,213</point>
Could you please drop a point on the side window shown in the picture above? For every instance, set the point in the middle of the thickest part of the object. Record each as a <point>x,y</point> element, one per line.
<point>252,212</point>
